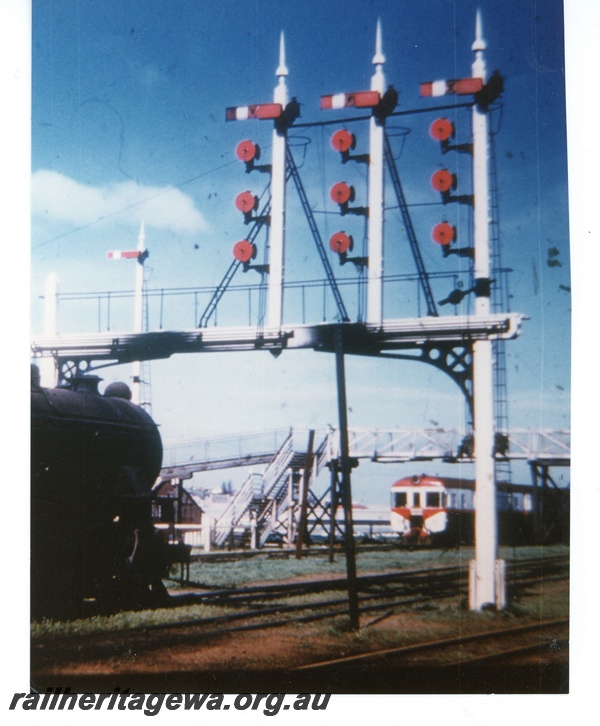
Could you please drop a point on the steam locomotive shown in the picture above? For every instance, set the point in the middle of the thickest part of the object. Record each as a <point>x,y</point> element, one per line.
<point>94,461</point>
<point>427,510</point>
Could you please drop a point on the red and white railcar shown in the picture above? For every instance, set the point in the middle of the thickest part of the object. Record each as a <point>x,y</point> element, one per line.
<point>419,508</point>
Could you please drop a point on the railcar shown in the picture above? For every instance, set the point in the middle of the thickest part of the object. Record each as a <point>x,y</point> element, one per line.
<point>94,461</point>
<point>428,510</point>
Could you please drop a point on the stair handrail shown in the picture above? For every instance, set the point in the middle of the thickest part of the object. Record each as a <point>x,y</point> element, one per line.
<point>277,468</point>
<point>235,510</point>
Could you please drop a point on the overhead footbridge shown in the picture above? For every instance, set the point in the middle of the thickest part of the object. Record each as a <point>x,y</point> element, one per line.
<point>270,499</point>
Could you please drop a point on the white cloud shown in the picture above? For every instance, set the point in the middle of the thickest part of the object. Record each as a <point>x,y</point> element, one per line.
<point>59,197</point>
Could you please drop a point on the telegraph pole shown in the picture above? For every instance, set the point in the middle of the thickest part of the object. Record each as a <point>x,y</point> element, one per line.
<point>345,466</point>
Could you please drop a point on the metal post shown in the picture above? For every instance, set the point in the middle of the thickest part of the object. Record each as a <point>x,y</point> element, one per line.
<point>376,173</point>
<point>277,227</point>
<point>346,488</point>
<point>484,581</point>
<point>308,463</point>
<point>179,485</point>
<point>333,508</point>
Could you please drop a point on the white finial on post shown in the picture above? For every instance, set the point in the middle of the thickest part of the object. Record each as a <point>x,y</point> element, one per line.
<point>378,58</point>
<point>478,69</point>
<point>281,68</point>
<point>479,43</point>
<point>281,92</point>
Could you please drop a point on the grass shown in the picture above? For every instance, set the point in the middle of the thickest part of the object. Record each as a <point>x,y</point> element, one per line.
<point>541,602</point>
<point>264,569</point>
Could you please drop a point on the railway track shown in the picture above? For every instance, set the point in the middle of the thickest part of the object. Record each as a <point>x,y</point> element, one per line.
<point>469,660</point>
<point>247,616</point>
<point>430,579</point>
<point>546,637</point>
<point>269,606</point>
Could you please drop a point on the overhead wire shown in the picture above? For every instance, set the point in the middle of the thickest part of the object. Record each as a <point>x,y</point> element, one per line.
<point>167,190</point>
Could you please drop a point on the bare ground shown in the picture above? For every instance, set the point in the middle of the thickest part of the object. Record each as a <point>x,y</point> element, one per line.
<point>186,661</point>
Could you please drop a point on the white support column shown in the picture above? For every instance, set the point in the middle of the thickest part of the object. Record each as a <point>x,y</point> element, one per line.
<point>376,176</point>
<point>480,179</point>
<point>484,580</point>
<point>485,485</point>
<point>47,365</point>
<point>277,226</point>
<point>138,316</point>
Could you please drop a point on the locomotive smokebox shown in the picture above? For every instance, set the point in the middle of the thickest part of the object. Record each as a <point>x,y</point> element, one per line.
<point>94,461</point>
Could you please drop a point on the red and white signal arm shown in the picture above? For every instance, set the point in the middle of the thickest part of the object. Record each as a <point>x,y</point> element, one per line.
<point>458,86</point>
<point>443,181</point>
<point>360,99</point>
<point>123,255</point>
<point>441,129</point>
<point>340,242</point>
<point>443,233</point>
<point>258,110</point>
<point>247,150</point>
<point>341,193</point>
<point>244,251</point>
<point>343,141</point>
<point>246,202</point>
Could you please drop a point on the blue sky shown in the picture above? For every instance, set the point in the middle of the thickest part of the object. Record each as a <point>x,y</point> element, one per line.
<point>128,123</point>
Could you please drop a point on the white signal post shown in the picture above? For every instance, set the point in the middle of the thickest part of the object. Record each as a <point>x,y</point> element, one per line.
<point>376,176</point>
<point>138,319</point>
<point>486,582</point>
<point>139,254</point>
<point>277,227</point>
<point>48,369</point>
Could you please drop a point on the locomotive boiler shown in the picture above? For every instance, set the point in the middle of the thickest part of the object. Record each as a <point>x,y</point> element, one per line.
<point>94,461</point>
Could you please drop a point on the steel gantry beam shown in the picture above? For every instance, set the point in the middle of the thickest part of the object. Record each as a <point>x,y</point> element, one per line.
<point>83,353</point>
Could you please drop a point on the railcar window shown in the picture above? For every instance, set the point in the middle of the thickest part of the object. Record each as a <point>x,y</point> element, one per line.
<point>433,499</point>
<point>399,499</point>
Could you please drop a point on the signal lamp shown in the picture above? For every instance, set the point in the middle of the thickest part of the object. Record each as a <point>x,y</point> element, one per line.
<point>343,141</point>
<point>247,151</point>
<point>443,233</point>
<point>441,129</point>
<point>246,202</point>
<point>341,193</point>
<point>341,243</point>
<point>244,251</point>
<point>443,181</point>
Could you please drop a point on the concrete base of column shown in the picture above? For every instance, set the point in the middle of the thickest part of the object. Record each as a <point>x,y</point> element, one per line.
<point>479,601</point>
